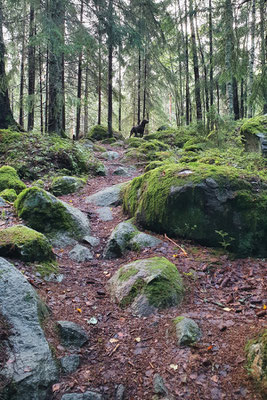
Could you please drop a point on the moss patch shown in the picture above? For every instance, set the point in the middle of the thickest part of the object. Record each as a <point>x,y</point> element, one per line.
<point>255,125</point>
<point>98,132</point>
<point>9,179</point>
<point>9,195</point>
<point>256,351</point>
<point>66,184</point>
<point>25,243</point>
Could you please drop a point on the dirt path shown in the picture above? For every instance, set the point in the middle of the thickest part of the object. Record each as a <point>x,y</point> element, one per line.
<point>223,296</point>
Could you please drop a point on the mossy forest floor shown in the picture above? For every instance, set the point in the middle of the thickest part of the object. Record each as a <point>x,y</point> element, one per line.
<point>224,296</point>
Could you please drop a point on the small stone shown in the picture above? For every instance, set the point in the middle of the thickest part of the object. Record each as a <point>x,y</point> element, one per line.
<point>72,334</point>
<point>93,241</point>
<point>80,254</point>
<point>90,395</point>
<point>70,363</point>
<point>111,155</point>
<point>104,214</point>
<point>120,392</point>
<point>187,331</point>
<point>159,386</point>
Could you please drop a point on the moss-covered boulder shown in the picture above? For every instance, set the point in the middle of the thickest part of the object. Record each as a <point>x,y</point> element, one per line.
<point>25,243</point>
<point>257,360</point>
<point>147,285</point>
<point>187,331</point>
<point>98,132</point>
<point>66,184</point>
<point>254,133</point>
<point>9,195</point>
<point>9,179</point>
<point>214,205</point>
<point>45,213</point>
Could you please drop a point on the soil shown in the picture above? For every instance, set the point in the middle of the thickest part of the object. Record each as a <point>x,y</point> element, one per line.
<point>225,296</point>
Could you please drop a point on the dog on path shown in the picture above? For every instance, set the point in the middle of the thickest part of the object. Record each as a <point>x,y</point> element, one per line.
<point>139,129</point>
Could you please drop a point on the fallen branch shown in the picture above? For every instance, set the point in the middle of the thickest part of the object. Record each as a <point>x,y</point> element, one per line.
<point>115,348</point>
<point>173,242</point>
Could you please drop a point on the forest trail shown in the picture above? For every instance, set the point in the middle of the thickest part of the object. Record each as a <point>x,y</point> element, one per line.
<point>223,296</point>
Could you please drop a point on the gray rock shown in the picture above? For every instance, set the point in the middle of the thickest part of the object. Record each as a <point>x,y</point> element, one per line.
<point>90,395</point>
<point>62,240</point>
<point>72,334</point>
<point>143,240</point>
<point>152,282</point>
<point>93,241</point>
<point>80,254</point>
<point>88,144</point>
<point>121,171</point>
<point>66,184</point>
<point>119,240</point>
<point>187,331</point>
<point>104,214</point>
<point>111,196</point>
<point>33,369</point>
<point>101,170</point>
<point>159,385</point>
<point>2,202</point>
<point>111,155</point>
<point>120,392</point>
<point>70,363</point>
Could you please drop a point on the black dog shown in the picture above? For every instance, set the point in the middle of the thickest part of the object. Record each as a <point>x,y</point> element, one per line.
<point>139,128</point>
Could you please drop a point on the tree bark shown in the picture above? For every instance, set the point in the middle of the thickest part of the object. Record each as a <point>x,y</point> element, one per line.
<point>263,54</point>
<point>110,65</point>
<point>235,99</point>
<point>79,86</point>
<point>6,116</point>
<point>41,91</point>
<point>86,94</point>
<point>251,59</point>
<point>211,52</point>
<point>56,41</point>
<point>139,88</point>
<point>99,70</point>
<point>120,85</point>
<point>22,76</point>
<point>187,92</point>
<point>145,85</point>
<point>31,70</point>
<point>229,55</point>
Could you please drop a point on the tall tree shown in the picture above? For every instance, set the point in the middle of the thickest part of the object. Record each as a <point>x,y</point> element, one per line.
<point>229,39</point>
<point>31,69</point>
<point>110,65</point>
<point>79,85</point>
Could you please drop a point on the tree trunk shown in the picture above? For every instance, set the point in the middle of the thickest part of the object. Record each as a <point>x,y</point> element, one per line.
<point>22,76</point>
<point>187,92</point>
<point>99,70</point>
<point>251,59</point>
<point>110,65</point>
<point>235,99</point>
<point>86,94</point>
<point>195,63</point>
<point>263,54</point>
<point>218,97</point>
<point>145,85</point>
<point>229,55</point>
<point>46,90</point>
<point>41,91</point>
<point>31,70</point>
<point>120,95</point>
<point>211,52</point>
<point>56,41</point>
<point>242,99</point>
<point>139,89</point>
<point>6,116</point>
<point>79,86</point>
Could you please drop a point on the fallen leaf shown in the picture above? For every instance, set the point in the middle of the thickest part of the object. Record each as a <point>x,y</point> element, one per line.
<point>227,309</point>
<point>113,340</point>
<point>56,387</point>
<point>210,348</point>
<point>79,310</point>
<point>264,306</point>
<point>137,339</point>
<point>174,366</point>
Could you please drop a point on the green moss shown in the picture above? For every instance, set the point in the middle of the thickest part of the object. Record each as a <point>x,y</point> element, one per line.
<point>66,184</point>
<point>46,268</point>
<point>9,195</point>
<point>134,142</point>
<point>9,179</point>
<point>44,212</point>
<point>148,199</point>
<point>177,320</point>
<point>109,140</point>
<point>255,125</point>
<point>98,148</point>
<point>98,132</point>
<point>135,291</point>
<point>39,183</point>
<point>125,275</point>
<point>25,243</point>
<point>256,352</point>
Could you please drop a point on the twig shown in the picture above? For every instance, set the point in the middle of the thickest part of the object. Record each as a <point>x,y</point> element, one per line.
<point>115,348</point>
<point>173,242</point>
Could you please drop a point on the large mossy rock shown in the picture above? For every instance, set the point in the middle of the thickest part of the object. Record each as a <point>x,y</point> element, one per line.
<point>9,195</point>
<point>254,133</point>
<point>257,361</point>
<point>45,213</point>
<point>32,369</point>
<point>26,244</point>
<point>9,179</point>
<point>147,285</point>
<point>98,132</point>
<point>66,184</point>
<point>214,205</point>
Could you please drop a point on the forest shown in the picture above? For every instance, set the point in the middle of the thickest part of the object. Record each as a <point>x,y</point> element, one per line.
<point>133,199</point>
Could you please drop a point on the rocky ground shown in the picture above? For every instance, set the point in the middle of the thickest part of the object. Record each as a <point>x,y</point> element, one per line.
<point>225,296</point>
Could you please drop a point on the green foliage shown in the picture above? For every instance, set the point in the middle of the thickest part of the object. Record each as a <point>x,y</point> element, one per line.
<point>98,132</point>
<point>255,125</point>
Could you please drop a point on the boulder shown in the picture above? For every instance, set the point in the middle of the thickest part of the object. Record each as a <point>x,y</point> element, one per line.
<point>214,205</point>
<point>111,196</point>
<point>111,155</point>
<point>93,241</point>
<point>122,171</point>
<point>104,214</point>
<point>71,334</point>
<point>127,236</point>
<point>45,213</point>
<point>119,240</point>
<point>254,134</point>
<point>89,395</point>
<point>187,331</point>
<point>25,243</point>
<point>31,369</point>
<point>147,285</point>
<point>9,195</point>
<point>256,351</point>
<point>80,254</point>
<point>98,132</point>
<point>9,179</point>
<point>66,184</point>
